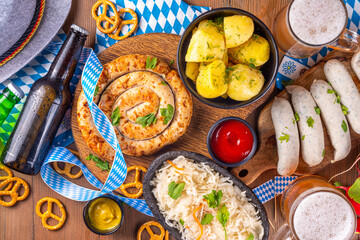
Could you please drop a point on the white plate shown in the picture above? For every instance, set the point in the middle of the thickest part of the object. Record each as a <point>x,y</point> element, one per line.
<point>55,14</point>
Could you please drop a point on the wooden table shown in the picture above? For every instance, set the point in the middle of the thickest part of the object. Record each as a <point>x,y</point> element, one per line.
<point>21,221</point>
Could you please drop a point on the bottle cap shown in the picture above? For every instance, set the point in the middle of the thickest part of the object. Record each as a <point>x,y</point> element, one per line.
<point>79,29</point>
<point>15,90</point>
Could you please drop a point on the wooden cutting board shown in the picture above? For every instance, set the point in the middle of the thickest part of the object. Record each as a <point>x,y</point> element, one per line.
<point>266,155</point>
<point>163,46</point>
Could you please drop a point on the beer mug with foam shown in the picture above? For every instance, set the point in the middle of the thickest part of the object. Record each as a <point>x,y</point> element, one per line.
<point>314,209</point>
<point>304,27</point>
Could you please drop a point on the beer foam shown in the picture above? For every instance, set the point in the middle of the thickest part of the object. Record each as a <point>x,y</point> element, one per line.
<point>324,215</point>
<point>317,21</point>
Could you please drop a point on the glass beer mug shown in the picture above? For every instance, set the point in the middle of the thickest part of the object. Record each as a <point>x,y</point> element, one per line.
<point>304,27</point>
<point>314,209</point>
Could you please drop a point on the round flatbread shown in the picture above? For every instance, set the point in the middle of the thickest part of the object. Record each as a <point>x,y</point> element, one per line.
<point>129,90</point>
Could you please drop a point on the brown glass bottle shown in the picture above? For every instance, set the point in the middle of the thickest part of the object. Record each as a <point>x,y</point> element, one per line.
<point>44,109</point>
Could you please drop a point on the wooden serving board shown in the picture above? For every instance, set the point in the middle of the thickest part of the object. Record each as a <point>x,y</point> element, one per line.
<point>266,156</point>
<point>163,46</point>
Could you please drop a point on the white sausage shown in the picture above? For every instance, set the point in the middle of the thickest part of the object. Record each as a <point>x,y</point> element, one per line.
<point>310,127</point>
<point>333,117</point>
<point>285,126</point>
<point>340,79</point>
<point>355,64</point>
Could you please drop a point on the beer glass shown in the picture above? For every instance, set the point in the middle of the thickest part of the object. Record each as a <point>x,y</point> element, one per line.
<point>314,209</point>
<point>304,27</point>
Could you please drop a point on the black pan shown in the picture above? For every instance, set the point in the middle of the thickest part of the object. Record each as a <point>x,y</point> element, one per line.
<point>158,163</point>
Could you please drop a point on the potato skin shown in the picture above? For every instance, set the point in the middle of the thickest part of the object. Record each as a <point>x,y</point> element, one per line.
<point>255,51</point>
<point>211,80</point>
<point>207,43</point>
<point>245,82</point>
<point>238,29</point>
<point>192,70</point>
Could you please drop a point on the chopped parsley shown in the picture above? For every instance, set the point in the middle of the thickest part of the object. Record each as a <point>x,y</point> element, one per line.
<point>323,153</point>
<point>284,138</point>
<point>317,110</point>
<point>181,222</point>
<point>297,118</point>
<point>171,62</point>
<point>344,109</point>
<point>344,126</point>
<point>310,122</point>
<point>303,137</point>
<point>163,83</point>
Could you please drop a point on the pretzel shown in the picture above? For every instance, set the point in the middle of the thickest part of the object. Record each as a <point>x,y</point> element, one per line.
<point>133,21</point>
<point>153,236</point>
<point>13,191</point>
<point>9,175</point>
<point>137,184</point>
<point>48,213</point>
<point>114,21</point>
<point>67,170</point>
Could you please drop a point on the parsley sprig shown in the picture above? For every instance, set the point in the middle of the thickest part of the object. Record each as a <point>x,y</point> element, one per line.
<point>115,116</point>
<point>214,198</point>
<point>151,62</point>
<point>207,219</point>
<point>167,113</point>
<point>223,216</point>
<point>175,189</point>
<point>103,165</point>
<point>147,120</point>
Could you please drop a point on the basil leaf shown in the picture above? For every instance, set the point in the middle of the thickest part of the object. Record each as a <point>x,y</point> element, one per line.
<point>310,122</point>
<point>207,219</point>
<point>175,190</point>
<point>344,126</point>
<point>115,117</point>
<point>151,62</point>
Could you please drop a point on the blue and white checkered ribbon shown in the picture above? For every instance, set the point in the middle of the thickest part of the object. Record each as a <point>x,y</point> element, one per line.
<point>292,68</point>
<point>168,16</point>
<point>118,172</point>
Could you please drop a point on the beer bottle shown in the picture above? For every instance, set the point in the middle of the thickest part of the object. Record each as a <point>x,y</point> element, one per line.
<point>44,109</point>
<point>11,95</point>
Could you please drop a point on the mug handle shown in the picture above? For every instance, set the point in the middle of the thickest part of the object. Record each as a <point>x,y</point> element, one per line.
<point>284,233</point>
<point>348,42</point>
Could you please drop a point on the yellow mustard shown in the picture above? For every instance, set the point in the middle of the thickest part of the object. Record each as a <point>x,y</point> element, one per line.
<point>104,214</point>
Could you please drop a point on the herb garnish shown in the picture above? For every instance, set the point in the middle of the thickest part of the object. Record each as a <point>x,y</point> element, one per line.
<point>167,113</point>
<point>303,137</point>
<point>317,110</point>
<point>163,83</point>
<point>336,95</point>
<point>297,118</point>
<point>171,62</point>
<point>287,83</point>
<point>344,109</point>
<point>214,198</point>
<point>151,62</point>
<point>96,90</point>
<point>323,153</point>
<point>103,165</point>
<point>147,120</point>
<point>207,219</point>
<point>310,122</point>
<point>250,237</point>
<point>175,189</point>
<point>344,126</point>
<point>223,216</point>
<point>284,138</point>
<point>181,222</point>
<point>115,116</point>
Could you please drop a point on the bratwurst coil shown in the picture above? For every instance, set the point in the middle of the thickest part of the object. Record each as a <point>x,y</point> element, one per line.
<point>129,91</point>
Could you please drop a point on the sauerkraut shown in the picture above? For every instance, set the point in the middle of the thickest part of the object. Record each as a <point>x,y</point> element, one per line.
<point>200,179</point>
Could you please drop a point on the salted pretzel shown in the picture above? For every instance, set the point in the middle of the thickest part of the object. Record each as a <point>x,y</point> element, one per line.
<point>136,184</point>
<point>153,236</point>
<point>9,175</point>
<point>133,21</point>
<point>13,192</point>
<point>103,17</point>
<point>67,170</point>
<point>48,213</point>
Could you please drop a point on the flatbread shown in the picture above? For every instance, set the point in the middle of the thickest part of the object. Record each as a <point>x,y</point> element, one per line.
<point>125,83</point>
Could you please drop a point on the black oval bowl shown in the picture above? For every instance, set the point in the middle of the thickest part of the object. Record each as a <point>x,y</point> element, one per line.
<point>87,220</point>
<point>211,132</point>
<point>158,163</point>
<point>269,69</point>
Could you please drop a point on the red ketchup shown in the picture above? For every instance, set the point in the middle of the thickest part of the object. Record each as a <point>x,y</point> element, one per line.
<point>232,141</point>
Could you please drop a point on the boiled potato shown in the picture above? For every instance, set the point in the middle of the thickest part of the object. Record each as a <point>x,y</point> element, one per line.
<point>255,51</point>
<point>207,44</point>
<point>192,70</point>
<point>245,82</point>
<point>238,29</point>
<point>211,82</point>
